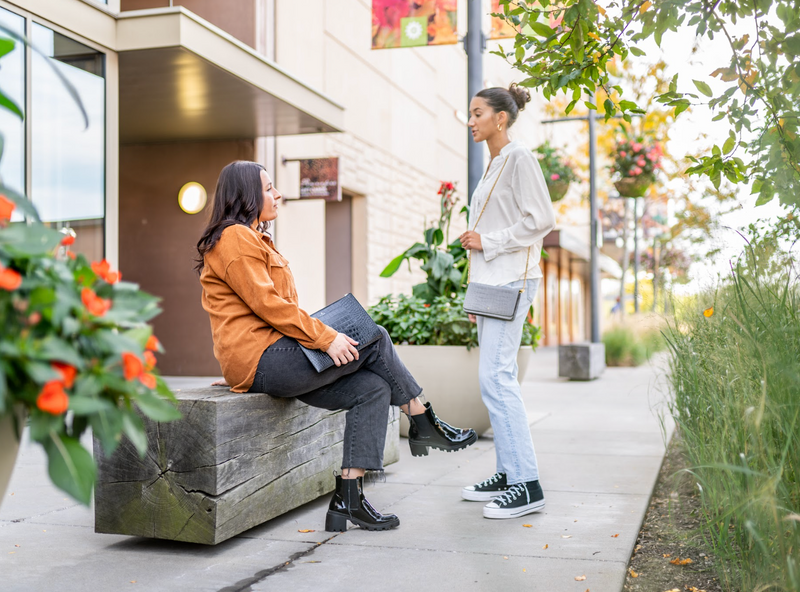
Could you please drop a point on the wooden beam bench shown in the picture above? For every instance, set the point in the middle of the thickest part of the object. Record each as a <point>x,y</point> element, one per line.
<point>231,463</point>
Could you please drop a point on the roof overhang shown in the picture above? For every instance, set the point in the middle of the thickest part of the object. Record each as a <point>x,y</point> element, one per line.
<point>580,249</point>
<point>182,78</point>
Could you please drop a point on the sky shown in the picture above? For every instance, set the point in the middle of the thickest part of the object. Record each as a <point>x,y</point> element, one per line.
<point>676,51</point>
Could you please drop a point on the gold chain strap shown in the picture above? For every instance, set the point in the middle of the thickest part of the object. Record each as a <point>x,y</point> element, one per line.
<point>469,257</point>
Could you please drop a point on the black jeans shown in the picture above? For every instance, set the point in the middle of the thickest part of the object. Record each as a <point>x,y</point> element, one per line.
<point>365,387</point>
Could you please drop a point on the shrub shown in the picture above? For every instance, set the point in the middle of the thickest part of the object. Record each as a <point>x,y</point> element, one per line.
<point>411,320</point>
<point>629,345</point>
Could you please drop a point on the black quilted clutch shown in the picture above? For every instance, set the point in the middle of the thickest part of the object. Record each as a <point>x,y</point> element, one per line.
<point>347,316</point>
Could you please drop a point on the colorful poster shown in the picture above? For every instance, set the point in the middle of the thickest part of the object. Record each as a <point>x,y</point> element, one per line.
<point>413,23</point>
<point>501,29</point>
<point>319,179</point>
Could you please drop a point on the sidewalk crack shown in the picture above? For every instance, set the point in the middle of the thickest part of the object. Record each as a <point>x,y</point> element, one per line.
<point>246,584</point>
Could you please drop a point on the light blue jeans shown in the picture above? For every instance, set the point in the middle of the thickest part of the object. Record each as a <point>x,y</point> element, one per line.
<point>499,343</point>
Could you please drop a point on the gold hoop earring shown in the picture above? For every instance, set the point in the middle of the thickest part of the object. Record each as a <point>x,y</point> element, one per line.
<point>499,128</point>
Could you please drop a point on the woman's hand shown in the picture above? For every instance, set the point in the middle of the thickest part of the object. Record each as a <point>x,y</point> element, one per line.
<point>342,350</point>
<point>472,318</point>
<point>471,240</point>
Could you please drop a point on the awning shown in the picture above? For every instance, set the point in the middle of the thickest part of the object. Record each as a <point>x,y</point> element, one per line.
<point>182,78</point>
<point>567,241</point>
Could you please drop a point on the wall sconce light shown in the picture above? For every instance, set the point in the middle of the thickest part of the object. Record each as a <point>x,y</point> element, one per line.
<point>192,197</point>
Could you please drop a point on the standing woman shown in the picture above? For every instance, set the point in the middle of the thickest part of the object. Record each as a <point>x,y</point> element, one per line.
<point>505,246</point>
<point>258,327</point>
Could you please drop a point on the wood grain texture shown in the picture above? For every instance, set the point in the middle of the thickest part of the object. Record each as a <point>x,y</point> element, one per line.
<point>231,463</point>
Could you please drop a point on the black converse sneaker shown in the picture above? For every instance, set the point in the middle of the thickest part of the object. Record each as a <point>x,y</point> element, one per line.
<point>487,490</point>
<point>520,499</point>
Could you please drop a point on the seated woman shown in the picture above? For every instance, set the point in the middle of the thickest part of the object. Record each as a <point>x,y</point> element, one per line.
<point>257,328</point>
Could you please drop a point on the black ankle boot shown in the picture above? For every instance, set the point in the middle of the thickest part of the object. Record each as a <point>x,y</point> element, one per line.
<point>427,430</point>
<point>349,503</point>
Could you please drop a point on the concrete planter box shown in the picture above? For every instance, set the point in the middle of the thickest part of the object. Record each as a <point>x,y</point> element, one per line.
<point>581,361</point>
<point>448,375</point>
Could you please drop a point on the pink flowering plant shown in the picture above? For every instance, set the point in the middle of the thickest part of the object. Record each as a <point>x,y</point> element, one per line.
<point>556,167</point>
<point>637,158</point>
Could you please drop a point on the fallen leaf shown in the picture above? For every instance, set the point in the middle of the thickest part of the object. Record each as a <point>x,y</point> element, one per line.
<point>524,570</point>
<point>580,578</point>
<point>566,536</point>
<point>11,552</point>
<point>16,545</point>
<point>613,536</point>
<point>306,530</point>
<point>574,520</point>
<point>505,557</point>
<point>545,547</point>
<point>527,525</point>
<point>679,561</point>
<point>667,554</point>
<point>633,573</point>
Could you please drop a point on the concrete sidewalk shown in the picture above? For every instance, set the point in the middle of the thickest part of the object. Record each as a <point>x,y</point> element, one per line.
<point>600,445</point>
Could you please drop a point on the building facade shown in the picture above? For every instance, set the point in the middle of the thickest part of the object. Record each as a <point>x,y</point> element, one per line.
<point>175,89</point>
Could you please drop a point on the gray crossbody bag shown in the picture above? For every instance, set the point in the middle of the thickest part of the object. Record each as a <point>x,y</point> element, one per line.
<point>496,302</point>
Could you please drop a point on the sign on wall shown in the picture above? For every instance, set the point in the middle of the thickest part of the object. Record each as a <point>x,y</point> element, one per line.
<point>319,179</point>
<point>413,23</point>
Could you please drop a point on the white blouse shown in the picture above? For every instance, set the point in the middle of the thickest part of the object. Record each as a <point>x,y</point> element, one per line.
<point>519,215</point>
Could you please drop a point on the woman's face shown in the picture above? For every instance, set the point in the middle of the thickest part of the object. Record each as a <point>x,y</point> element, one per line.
<point>271,197</point>
<point>483,120</point>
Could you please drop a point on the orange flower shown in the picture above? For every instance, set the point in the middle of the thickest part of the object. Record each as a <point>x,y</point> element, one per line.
<point>149,360</point>
<point>6,208</point>
<point>71,255</point>
<point>103,270</point>
<point>93,303</point>
<point>153,344</point>
<point>67,240</point>
<point>53,399</point>
<point>9,279</point>
<point>149,380</point>
<point>132,366</point>
<point>709,312</point>
<point>68,373</point>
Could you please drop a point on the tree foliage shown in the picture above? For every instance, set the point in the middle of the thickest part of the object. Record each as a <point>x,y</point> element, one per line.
<point>569,47</point>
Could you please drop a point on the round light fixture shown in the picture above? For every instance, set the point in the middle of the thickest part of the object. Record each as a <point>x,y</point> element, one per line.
<point>192,197</point>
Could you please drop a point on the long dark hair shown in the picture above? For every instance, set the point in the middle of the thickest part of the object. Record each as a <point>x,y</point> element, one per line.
<point>238,199</point>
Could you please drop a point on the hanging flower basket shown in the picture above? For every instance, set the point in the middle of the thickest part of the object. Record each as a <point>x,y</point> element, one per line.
<point>633,186</point>
<point>557,189</point>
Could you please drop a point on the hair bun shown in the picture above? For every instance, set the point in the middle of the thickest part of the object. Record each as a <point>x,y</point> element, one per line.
<point>520,94</point>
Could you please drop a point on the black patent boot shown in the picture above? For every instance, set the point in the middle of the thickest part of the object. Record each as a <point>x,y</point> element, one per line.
<point>349,503</point>
<point>426,430</point>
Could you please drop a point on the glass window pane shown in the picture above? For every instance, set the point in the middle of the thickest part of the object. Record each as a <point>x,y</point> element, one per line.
<point>68,160</point>
<point>12,81</point>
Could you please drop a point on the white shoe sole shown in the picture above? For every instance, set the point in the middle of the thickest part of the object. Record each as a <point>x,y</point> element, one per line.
<point>480,496</point>
<point>500,513</point>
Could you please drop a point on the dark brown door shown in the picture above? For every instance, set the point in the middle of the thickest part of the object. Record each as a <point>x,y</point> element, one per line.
<point>338,248</point>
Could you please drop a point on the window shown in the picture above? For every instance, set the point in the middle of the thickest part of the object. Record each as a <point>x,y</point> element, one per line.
<point>67,157</point>
<point>12,81</point>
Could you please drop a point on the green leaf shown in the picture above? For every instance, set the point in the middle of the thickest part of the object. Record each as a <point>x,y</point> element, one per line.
<point>107,427</point>
<point>89,405</point>
<point>10,105</point>
<point>636,51</point>
<point>6,46</point>
<point>42,424</point>
<point>157,408</point>
<point>729,144</point>
<point>393,266</point>
<point>134,428</point>
<point>30,240</point>
<point>71,467</point>
<point>703,88</point>
<point>519,53</point>
<point>542,30</point>
<point>791,45</point>
<point>55,349</point>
